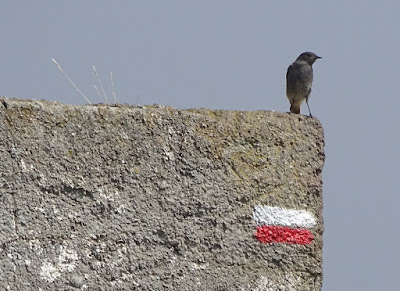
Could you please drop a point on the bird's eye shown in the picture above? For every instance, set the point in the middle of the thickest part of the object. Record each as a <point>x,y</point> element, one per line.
<point>308,55</point>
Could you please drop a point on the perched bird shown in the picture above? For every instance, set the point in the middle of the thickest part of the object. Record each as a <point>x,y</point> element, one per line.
<point>299,79</point>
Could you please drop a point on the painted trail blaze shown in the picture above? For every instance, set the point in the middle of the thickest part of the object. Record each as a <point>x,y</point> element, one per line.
<point>280,234</point>
<point>279,225</point>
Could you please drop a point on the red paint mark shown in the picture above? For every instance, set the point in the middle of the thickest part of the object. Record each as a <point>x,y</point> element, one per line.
<point>280,234</point>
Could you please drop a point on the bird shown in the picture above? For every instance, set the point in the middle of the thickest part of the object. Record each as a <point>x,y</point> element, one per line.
<point>299,79</point>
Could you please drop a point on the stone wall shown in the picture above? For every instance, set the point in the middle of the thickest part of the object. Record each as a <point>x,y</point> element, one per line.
<point>153,198</point>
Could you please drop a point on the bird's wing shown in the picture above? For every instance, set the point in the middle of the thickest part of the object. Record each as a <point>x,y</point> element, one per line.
<point>291,78</point>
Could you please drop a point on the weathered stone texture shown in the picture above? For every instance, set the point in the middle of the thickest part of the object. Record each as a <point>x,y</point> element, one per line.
<point>153,198</point>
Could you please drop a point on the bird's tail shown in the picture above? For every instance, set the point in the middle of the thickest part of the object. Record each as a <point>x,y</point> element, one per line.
<point>295,108</point>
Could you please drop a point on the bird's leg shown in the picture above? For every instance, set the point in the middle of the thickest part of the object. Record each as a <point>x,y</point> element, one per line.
<point>309,111</point>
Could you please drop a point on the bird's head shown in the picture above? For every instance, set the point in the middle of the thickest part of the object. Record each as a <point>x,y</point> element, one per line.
<point>308,57</point>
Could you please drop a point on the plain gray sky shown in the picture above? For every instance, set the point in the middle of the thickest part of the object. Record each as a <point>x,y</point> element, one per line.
<point>234,55</point>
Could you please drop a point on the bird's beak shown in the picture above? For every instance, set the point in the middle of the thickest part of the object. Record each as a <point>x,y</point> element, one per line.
<point>318,57</point>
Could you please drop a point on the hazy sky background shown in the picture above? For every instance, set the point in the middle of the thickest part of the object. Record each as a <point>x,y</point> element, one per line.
<point>234,55</point>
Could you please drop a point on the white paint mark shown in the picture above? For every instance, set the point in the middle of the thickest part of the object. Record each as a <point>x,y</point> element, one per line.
<point>268,215</point>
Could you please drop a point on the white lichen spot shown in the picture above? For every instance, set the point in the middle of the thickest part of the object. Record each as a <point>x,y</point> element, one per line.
<point>66,263</point>
<point>67,259</point>
<point>39,209</point>
<point>72,215</point>
<point>49,272</point>
<point>195,266</point>
<point>107,194</point>
<point>288,282</point>
<point>121,209</point>
<point>55,209</point>
<point>23,165</point>
<point>35,246</point>
<point>169,156</point>
<point>42,181</point>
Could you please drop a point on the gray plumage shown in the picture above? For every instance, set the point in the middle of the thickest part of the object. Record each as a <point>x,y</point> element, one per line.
<point>299,79</point>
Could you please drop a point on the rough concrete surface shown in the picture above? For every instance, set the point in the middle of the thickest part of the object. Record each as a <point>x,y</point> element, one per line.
<point>103,197</point>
